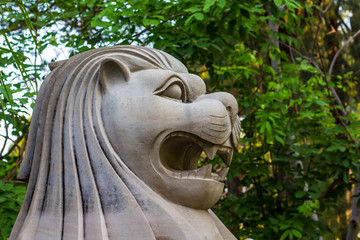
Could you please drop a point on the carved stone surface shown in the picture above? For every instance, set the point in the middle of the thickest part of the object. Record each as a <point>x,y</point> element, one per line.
<point>113,150</point>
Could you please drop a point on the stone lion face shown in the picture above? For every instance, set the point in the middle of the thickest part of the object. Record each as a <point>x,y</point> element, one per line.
<point>160,121</point>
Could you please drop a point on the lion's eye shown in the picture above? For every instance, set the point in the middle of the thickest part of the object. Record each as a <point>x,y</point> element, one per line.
<point>174,90</point>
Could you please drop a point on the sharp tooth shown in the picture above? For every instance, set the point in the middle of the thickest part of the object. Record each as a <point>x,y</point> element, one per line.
<point>223,173</point>
<point>226,155</point>
<point>204,172</point>
<point>227,144</point>
<point>210,151</point>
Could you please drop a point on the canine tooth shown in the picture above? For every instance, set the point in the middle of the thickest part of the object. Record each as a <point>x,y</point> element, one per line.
<point>223,173</point>
<point>205,171</point>
<point>210,151</point>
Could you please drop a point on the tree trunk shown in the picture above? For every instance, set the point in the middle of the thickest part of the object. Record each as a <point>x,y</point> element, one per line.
<point>353,227</point>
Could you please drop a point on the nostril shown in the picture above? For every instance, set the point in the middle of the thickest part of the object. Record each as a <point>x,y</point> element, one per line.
<point>228,108</point>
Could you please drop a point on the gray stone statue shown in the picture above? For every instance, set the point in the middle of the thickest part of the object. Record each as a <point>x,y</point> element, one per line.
<point>113,150</point>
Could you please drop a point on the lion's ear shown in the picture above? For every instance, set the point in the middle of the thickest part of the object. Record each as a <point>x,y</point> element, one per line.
<point>111,71</point>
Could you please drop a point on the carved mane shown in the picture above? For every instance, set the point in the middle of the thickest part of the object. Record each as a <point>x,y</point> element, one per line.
<point>78,185</point>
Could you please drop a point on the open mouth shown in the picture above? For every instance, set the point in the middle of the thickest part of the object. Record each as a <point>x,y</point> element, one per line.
<point>180,152</point>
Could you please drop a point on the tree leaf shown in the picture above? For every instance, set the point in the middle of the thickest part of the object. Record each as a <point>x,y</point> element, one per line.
<point>268,126</point>
<point>6,92</point>
<point>346,163</point>
<point>199,16</point>
<point>296,233</point>
<point>221,3</point>
<point>279,139</point>
<point>193,9</point>
<point>208,4</point>
<point>285,234</point>
<point>300,194</point>
<point>148,22</point>
<point>278,3</point>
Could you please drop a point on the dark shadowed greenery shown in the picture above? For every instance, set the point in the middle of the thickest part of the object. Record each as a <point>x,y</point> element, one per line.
<point>296,87</point>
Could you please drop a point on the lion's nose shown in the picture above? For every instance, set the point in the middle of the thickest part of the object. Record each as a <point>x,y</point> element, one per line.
<point>227,100</point>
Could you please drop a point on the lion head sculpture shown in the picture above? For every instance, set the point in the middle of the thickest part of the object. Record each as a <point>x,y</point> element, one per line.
<point>113,150</point>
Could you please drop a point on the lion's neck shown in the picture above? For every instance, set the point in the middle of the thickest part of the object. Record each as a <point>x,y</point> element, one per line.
<point>202,221</point>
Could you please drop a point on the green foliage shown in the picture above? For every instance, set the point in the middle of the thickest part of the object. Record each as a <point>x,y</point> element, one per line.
<point>308,208</point>
<point>11,198</point>
<point>299,153</point>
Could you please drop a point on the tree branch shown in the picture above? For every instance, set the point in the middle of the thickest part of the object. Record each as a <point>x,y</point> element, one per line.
<point>16,144</point>
<point>331,187</point>
<point>17,163</point>
<point>327,7</point>
<point>338,52</point>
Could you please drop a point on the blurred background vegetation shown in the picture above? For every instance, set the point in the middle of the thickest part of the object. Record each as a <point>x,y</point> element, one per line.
<point>293,66</point>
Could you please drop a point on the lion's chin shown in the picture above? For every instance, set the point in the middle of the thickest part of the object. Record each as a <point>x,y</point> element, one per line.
<point>180,152</point>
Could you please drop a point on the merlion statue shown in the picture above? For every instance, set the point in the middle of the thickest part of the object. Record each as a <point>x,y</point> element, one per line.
<point>113,150</point>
